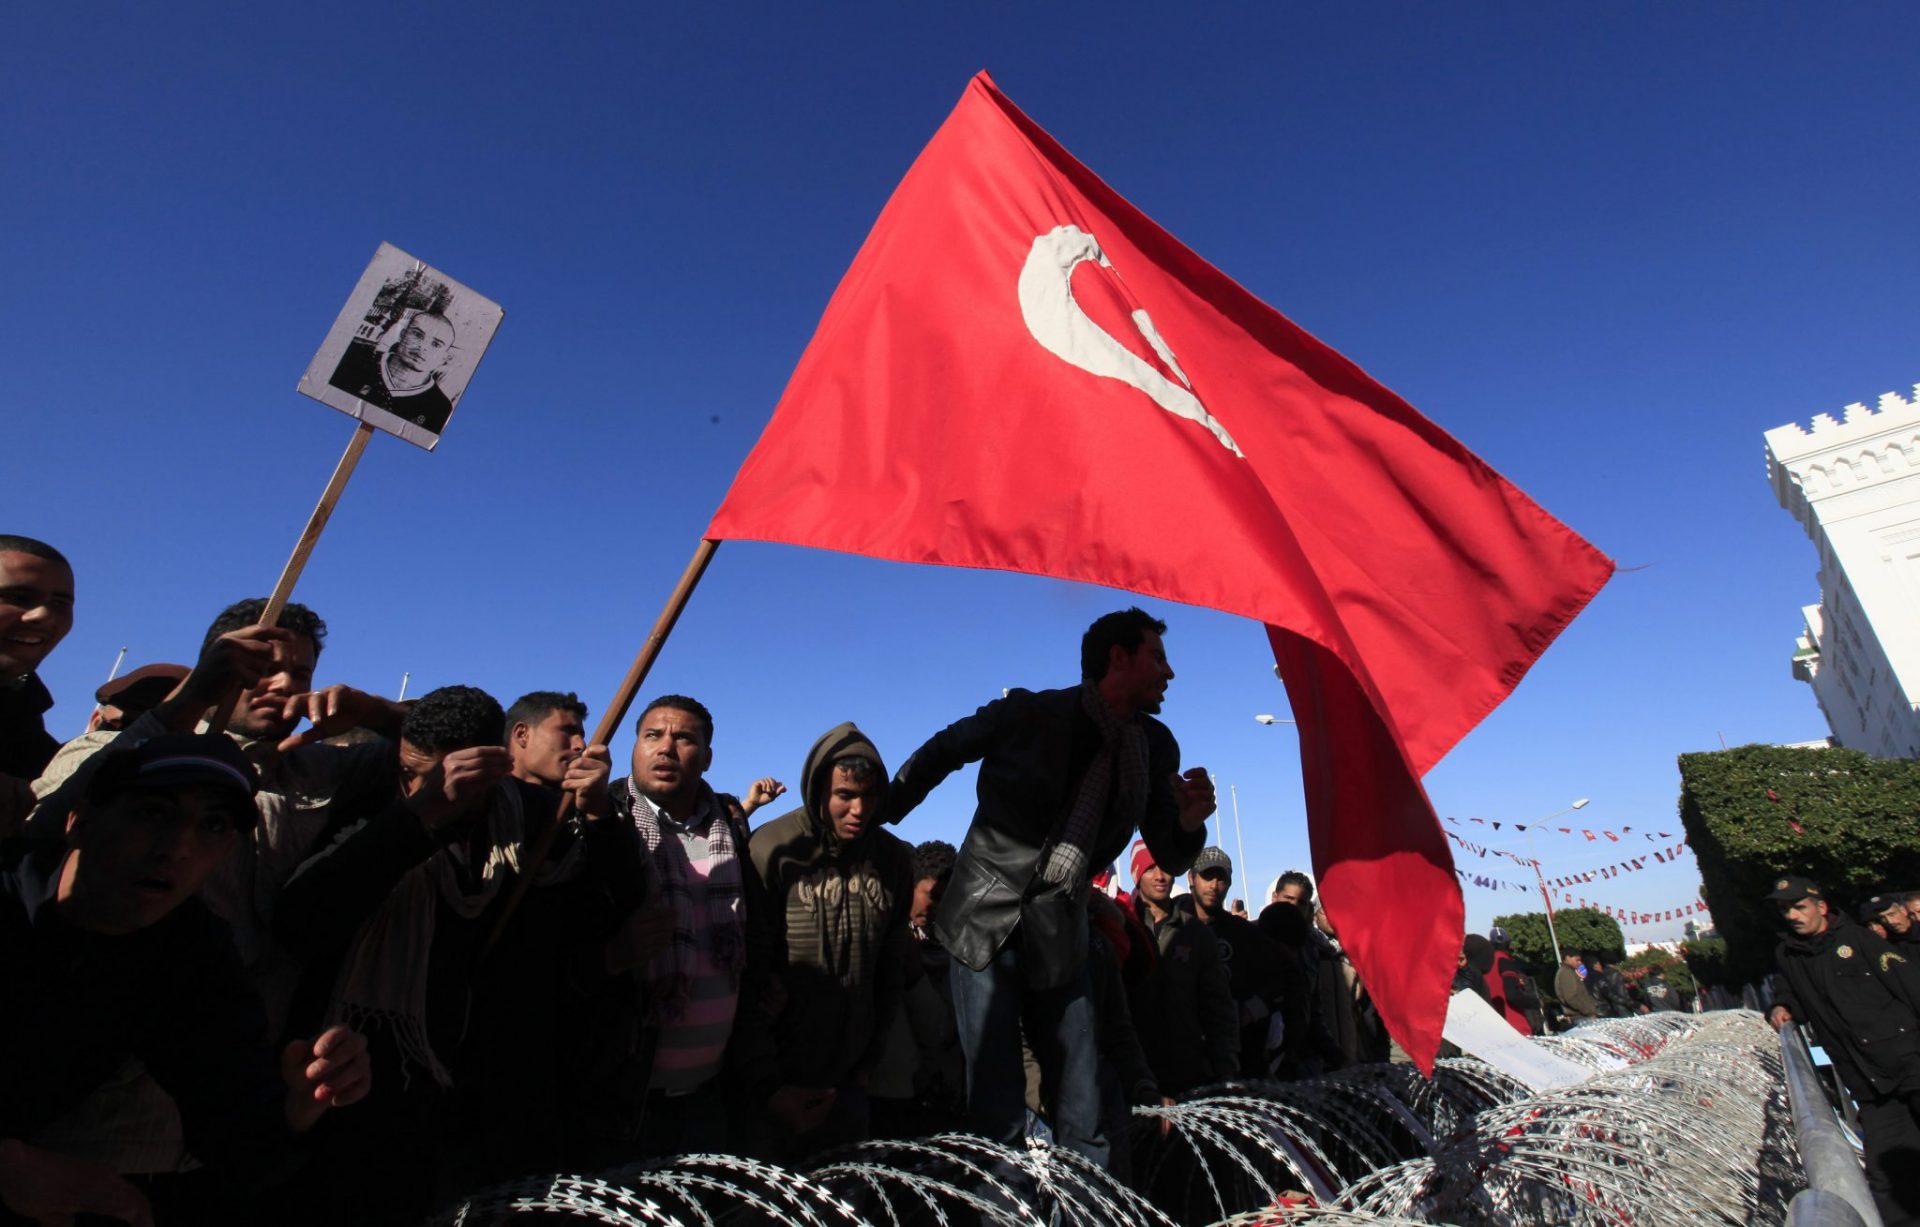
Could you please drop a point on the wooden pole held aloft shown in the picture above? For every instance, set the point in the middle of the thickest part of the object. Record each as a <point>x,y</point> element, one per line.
<point>610,721</point>
<point>302,550</point>
<point>650,650</point>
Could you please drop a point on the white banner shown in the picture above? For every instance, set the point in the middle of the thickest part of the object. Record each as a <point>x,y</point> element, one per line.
<point>1474,1027</point>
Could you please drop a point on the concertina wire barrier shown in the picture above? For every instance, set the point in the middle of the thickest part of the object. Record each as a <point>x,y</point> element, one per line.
<point>1685,1120</point>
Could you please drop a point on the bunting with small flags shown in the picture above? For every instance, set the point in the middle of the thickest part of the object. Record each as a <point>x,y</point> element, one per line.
<point>1592,835</point>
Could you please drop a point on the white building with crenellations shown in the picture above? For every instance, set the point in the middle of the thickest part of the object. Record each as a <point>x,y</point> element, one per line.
<point>1854,485</point>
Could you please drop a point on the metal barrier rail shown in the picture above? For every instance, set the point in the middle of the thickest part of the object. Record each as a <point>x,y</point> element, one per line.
<point>1836,1194</point>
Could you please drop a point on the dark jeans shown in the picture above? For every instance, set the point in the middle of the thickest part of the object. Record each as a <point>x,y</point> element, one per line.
<point>991,1007</point>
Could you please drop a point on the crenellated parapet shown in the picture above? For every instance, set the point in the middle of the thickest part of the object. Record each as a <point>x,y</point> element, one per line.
<point>1833,456</point>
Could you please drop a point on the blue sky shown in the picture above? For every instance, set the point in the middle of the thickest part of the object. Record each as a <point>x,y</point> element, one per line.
<point>1606,247</point>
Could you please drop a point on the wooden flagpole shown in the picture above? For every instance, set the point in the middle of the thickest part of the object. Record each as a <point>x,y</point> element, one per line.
<point>302,550</point>
<point>610,721</point>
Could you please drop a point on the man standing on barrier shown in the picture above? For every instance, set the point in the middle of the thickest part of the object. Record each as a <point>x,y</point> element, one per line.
<point>1065,778</point>
<point>1862,998</point>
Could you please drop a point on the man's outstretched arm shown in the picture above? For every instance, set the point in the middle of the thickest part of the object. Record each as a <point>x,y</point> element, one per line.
<point>966,740</point>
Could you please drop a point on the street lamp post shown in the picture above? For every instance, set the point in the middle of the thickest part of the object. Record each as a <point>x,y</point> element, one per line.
<point>1240,842</point>
<point>1269,721</point>
<point>1533,856</point>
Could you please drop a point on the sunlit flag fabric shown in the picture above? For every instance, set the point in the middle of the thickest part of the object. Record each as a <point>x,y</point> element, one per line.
<point>1021,371</point>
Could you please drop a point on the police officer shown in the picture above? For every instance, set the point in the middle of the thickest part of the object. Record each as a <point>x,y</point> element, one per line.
<point>1863,999</point>
<point>1888,913</point>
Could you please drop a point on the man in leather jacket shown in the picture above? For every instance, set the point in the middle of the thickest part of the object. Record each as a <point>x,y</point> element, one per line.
<point>1065,778</point>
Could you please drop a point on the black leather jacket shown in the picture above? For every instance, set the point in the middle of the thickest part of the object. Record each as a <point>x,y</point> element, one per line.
<point>1032,747</point>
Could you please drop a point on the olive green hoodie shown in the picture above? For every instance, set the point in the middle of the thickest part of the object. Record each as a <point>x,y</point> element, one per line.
<point>839,916</point>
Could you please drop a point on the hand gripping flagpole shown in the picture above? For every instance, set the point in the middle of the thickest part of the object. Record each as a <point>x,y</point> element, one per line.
<point>222,713</point>
<point>609,725</point>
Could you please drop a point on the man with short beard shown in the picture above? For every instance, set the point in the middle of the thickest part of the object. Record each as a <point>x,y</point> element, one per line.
<point>1255,971</point>
<point>1183,1010</point>
<point>36,612</point>
<point>705,996</point>
<point>1862,997</point>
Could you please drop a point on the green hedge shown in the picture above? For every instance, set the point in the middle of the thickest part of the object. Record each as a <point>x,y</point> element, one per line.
<point>1581,929</point>
<point>1707,961</point>
<point>1849,821</point>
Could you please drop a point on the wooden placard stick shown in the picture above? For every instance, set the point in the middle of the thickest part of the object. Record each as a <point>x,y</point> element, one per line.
<point>302,550</point>
<point>603,732</point>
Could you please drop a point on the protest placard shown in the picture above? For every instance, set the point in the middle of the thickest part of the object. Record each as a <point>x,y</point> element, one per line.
<point>403,349</point>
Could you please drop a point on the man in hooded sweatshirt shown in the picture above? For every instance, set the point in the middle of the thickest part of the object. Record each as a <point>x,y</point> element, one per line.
<point>839,891</point>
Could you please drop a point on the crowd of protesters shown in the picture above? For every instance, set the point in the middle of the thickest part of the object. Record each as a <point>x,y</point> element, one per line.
<point>304,955</point>
<point>280,952</point>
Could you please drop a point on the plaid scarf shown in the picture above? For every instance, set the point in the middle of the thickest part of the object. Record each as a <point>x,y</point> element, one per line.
<point>721,930</point>
<point>1123,760</point>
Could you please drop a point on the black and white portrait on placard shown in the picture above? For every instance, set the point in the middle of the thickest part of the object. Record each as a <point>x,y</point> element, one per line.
<point>403,349</point>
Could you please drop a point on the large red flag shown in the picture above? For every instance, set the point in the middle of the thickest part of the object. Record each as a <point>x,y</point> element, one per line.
<point>1022,371</point>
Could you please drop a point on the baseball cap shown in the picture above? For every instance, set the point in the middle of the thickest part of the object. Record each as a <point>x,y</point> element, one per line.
<point>1213,858</point>
<point>1793,888</point>
<point>176,760</point>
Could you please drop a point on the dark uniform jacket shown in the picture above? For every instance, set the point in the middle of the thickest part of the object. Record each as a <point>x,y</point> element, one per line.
<point>1033,747</point>
<point>1863,999</point>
